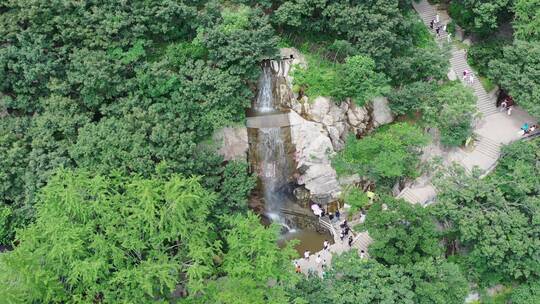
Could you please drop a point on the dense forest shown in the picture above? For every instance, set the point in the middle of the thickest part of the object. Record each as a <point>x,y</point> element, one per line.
<point>111,189</point>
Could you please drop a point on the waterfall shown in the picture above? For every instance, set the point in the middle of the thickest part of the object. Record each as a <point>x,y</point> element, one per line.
<point>274,166</point>
<point>264,102</point>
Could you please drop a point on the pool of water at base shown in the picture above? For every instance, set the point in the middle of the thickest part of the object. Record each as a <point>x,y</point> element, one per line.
<point>309,240</point>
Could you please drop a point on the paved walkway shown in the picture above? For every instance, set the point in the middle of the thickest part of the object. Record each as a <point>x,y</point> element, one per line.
<point>492,130</point>
<point>361,242</point>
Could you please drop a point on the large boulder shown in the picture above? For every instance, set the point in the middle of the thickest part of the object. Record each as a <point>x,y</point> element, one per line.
<point>313,149</point>
<point>381,111</point>
<point>232,142</point>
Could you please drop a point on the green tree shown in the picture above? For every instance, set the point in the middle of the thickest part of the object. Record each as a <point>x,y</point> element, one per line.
<point>387,155</point>
<point>438,281</point>
<point>254,269</point>
<point>353,280</point>
<point>452,112</point>
<point>526,293</point>
<point>112,239</point>
<point>412,97</point>
<point>480,16</point>
<point>517,73</point>
<point>403,233</point>
<point>527,20</point>
<point>495,218</point>
<point>359,81</point>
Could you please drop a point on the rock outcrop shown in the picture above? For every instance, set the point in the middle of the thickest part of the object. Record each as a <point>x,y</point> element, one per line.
<point>320,127</point>
<point>232,142</point>
<point>381,112</point>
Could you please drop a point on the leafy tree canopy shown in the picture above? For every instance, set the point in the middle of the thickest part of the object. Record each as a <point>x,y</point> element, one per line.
<point>496,218</point>
<point>353,280</point>
<point>386,155</point>
<point>112,239</point>
<point>518,72</point>
<point>403,233</point>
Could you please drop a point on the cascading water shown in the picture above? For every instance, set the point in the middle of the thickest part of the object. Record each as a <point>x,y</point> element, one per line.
<point>271,154</point>
<point>274,163</point>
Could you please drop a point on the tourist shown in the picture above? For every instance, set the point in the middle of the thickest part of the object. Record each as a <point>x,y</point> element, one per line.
<point>362,254</point>
<point>449,37</point>
<point>504,105</point>
<point>350,240</point>
<point>533,128</point>
<point>344,224</point>
<point>323,266</point>
<point>465,73</point>
<point>347,230</point>
<point>297,267</point>
<point>318,260</point>
<point>444,28</point>
<point>437,19</point>
<point>525,129</point>
<point>316,210</point>
<point>326,245</point>
<point>438,31</point>
<point>431,23</point>
<point>509,112</point>
<point>341,235</point>
<point>306,254</point>
<point>331,216</point>
<point>471,78</point>
<point>337,214</point>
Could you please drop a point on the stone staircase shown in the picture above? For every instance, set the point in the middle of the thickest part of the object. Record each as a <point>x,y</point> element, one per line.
<point>408,195</point>
<point>361,242</point>
<point>485,103</point>
<point>427,13</point>
<point>488,147</point>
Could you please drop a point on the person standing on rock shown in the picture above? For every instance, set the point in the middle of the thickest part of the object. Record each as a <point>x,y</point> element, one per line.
<point>438,31</point>
<point>341,235</point>
<point>437,19</point>
<point>337,214</point>
<point>431,23</point>
<point>297,267</point>
<point>326,245</point>
<point>306,254</point>
<point>350,240</point>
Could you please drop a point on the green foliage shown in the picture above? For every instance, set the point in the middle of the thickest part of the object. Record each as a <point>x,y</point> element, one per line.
<point>403,233</point>
<point>252,260</point>
<point>240,41</point>
<point>114,239</point>
<point>527,20</point>
<point>480,16</point>
<point>518,73</point>
<point>108,86</point>
<point>352,280</point>
<point>387,155</point>
<point>412,97</point>
<point>235,187</point>
<point>356,198</point>
<point>496,218</point>
<point>452,112</point>
<point>526,293</point>
<point>320,78</point>
<point>383,30</point>
<point>355,79</point>
<point>480,54</point>
<point>359,81</point>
